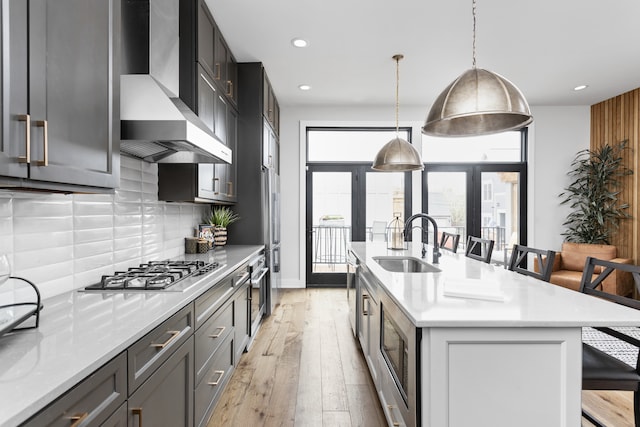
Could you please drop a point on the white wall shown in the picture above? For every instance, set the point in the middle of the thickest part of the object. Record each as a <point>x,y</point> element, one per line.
<point>555,136</point>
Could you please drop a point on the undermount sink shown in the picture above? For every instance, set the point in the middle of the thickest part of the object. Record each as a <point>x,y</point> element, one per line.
<point>400,264</point>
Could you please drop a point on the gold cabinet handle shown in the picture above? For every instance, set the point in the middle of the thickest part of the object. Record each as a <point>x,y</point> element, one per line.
<point>229,88</point>
<point>174,335</point>
<point>218,73</point>
<point>78,418</point>
<point>215,181</point>
<point>138,412</point>
<point>364,299</point>
<point>394,423</point>
<point>220,375</point>
<point>220,330</point>
<point>230,188</point>
<point>27,138</point>
<point>45,140</point>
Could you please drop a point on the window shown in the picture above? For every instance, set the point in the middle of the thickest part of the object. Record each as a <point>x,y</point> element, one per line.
<point>487,191</point>
<point>348,144</point>
<point>498,148</point>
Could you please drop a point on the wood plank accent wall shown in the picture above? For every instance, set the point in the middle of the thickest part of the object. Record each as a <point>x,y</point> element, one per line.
<point>612,121</point>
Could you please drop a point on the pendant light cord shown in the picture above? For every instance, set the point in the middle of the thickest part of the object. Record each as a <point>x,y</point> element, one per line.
<point>397,58</point>
<point>473,10</point>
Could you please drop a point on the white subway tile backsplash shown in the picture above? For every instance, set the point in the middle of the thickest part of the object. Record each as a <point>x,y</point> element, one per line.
<point>43,241</point>
<point>65,242</point>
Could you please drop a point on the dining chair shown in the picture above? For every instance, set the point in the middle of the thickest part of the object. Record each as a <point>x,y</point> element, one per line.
<point>449,241</point>
<point>478,244</point>
<point>520,257</point>
<point>601,369</point>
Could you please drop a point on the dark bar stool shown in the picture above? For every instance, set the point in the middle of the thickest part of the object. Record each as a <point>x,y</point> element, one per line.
<point>449,241</point>
<point>544,258</point>
<point>485,247</point>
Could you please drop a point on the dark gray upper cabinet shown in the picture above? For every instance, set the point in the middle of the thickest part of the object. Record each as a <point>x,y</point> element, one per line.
<point>202,45</point>
<point>60,108</point>
<point>208,76</point>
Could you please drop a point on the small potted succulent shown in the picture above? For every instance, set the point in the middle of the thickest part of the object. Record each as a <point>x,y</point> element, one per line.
<point>221,217</point>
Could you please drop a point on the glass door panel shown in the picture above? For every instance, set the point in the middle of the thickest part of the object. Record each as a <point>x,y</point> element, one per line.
<point>385,198</point>
<point>447,203</point>
<point>331,200</point>
<point>499,211</point>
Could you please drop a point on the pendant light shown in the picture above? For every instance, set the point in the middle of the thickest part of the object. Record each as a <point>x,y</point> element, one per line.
<point>397,155</point>
<point>478,102</point>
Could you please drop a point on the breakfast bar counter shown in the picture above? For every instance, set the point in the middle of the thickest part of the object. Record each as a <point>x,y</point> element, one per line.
<point>493,347</point>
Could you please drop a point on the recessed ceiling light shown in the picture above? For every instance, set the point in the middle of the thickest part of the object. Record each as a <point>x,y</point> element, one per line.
<point>581,87</point>
<point>298,42</point>
<point>304,87</point>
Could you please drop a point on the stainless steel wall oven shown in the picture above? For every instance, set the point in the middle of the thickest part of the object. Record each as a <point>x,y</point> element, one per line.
<point>259,286</point>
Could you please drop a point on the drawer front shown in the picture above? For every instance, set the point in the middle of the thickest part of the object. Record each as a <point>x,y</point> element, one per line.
<point>210,301</point>
<point>92,401</point>
<point>146,355</point>
<point>118,419</point>
<point>210,336</point>
<point>215,378</point>
<point>166,398</point>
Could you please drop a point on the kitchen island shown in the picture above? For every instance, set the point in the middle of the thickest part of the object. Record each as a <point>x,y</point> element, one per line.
<point>82,331</point>
<point>484,345</point>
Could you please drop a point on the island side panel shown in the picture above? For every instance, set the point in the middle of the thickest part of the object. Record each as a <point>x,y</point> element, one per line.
<point>501,377</point>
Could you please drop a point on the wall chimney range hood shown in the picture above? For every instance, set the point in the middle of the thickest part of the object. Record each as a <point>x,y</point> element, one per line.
<point>156,125</point>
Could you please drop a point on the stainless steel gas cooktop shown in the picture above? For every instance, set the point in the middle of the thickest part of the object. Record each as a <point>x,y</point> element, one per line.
<point>153,276</point>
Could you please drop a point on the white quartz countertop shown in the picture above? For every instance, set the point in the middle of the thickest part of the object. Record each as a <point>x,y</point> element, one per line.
<point>495,297</point>
<point>81,331</point>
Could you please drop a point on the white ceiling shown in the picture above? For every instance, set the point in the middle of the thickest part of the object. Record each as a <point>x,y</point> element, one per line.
<point>545,47</point>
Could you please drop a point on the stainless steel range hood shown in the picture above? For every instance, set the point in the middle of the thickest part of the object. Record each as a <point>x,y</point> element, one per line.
<point>156,125</point>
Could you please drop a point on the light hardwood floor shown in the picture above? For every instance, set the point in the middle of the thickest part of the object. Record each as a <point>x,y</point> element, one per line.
<point>305,369</point>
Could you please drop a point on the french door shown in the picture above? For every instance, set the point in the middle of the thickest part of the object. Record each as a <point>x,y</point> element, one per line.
<point>348,202</point>
<point>484,200</point>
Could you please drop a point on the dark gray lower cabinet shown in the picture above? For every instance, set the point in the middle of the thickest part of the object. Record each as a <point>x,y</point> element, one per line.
<point>165,399</point>
<point>214,380</point>
<point>118,419</point>
<point>91,402</point>
<point>174,375</point>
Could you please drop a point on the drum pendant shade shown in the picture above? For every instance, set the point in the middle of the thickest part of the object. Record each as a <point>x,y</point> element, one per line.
<point>479,102</point>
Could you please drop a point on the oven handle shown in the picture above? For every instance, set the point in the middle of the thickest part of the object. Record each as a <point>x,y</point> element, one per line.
<point>259,278</point>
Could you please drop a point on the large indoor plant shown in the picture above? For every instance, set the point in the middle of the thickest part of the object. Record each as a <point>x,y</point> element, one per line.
<point>593,193</point>
<point>221,217</point>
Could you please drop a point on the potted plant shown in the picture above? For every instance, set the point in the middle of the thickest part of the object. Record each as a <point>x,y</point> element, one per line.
<point>221,217</point>
<point>593,194</point>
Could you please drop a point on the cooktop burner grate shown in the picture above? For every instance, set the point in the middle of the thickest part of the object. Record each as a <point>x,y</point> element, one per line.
<point>154,275</point>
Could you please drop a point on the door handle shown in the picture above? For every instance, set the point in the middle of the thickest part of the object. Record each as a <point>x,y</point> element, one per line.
<point>27,138</point>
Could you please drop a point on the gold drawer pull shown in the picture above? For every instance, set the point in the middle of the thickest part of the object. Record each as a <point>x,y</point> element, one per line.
<point>77,419</point>
<point>230,88</point>
<point>27,138</point>
<point>218,73</point>
<point>220,330</point>
<point>215,181</point>
<point>138,412</point>
<point>217,381</point>
<point>364,300</point>
<point>45,139</point>
<point>230,188</point>
<point>394,423</point>
<point>174,335</point>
